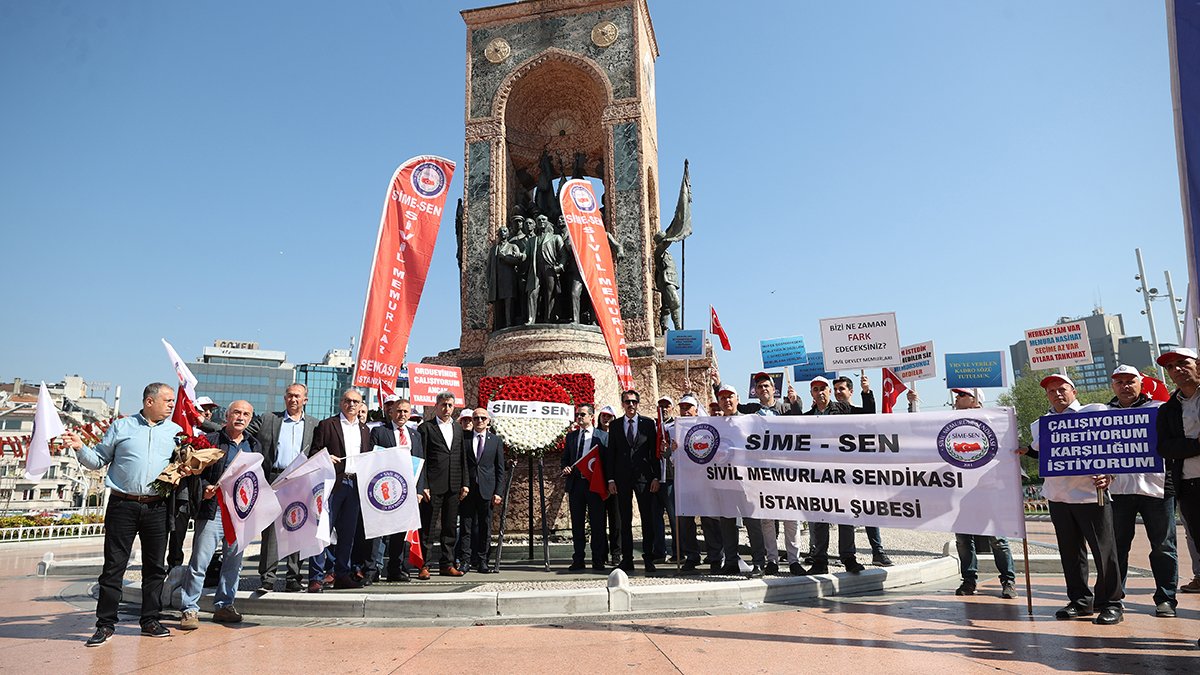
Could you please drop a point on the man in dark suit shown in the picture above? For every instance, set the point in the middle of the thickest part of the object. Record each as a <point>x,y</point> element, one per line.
<point>583,502</point>
<point>343,436</point>
<point>633,469</point>
<point>445,472</point>
<point>485,479</point>
<point>282,437</point>
<point>391,434</point>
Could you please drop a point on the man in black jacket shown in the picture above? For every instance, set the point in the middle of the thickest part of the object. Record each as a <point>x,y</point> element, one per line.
<point>843,391</point>
<point>394,433</point>
<point>485,480</point>
<point>586,506</point>
<point>1178,430</point>
<point>633,469</point>
<point>823,404</point>
<point>446,474</point>
<point>282,437</point>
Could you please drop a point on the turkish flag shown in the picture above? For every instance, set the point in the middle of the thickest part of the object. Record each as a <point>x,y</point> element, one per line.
<point>415,558</point>
<point>714,327</point>
<point>1156,389</point>
<point>892,388</point>
<point>185,414</point>
<point>589,467</point>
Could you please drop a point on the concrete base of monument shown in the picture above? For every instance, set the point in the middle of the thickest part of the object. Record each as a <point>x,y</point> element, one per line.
<point>552,349</point>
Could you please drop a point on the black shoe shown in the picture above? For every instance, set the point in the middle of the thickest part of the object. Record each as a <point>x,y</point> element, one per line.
<point>100,636</point>
<point>1164,610</point>
<point>731,569</point>
<point>399,576</point>
<point>772,568</point>
<point>626,567</point>
<point>797,570</point>
<point>881,560</point>
<point>576,567</point>
<point>293,586</point>
<point>688,567</point>
<point>483,568</point>
<point>965,588</point>
<point>153,628</point>
<point>754,573</point>
<point>1073,611</point>
<point>853,566</point>
<point>1109,616</point>
<point>818,568</point>
<point>599,567</point>
<point>650,569</point>
<point>347,581</point>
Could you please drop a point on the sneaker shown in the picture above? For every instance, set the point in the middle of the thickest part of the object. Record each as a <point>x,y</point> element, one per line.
<point>965,588</point>
<point>153,628</point>
<point>100,636</point>
<point>1192,586</point>
<point>227,614</point>
<point>771,568</point>
<point>881,560</point>
<point>190,620</point>
<point>1008,590</point>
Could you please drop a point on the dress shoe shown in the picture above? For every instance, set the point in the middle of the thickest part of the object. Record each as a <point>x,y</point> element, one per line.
<point>818,568</point>
<point>327,582</point>
<point>227,614</point>
<point>153,628</point>
<point>650,568</point>
<point>315,587</point>
<point>881,560</point>
<point>772,568</point>
<point>1109,616</point>
<point>400,576</point>
<point>102,634</point>
<point>449,571</point>
<point>626,567</point>
<point>965,588</point>
<point>1192,586</point>
<point>1073,610</point>
<point>599,567</point>
<point>293,586</point>
<point>483,568</point>
<point>754,573</point>
<point>731,569</point>
<point>1164,610</point>
<point>797,570</point>
<point>576,567</point>
<point>423,574</point>
<point>714,567</point>
<point>688,567</point>
<point>347,581</point>
<point>853,566</point>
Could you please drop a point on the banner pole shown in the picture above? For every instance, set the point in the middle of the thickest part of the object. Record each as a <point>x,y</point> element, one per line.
<point>531,507</point>
<point>545,526</point>
<point>512,471</point>
<point>1028,583</point>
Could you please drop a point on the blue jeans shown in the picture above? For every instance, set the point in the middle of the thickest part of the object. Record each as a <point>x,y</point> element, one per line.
<point>208,535</point>
<point>1158,517</point>
<point>875,540</point>
<point>968,561</point>
<point>320,563</point>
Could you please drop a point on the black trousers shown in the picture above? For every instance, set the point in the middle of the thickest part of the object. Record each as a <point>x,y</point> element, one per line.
<point>1079,527</point>
<point>587,510</point>
<point>645,501</point>
<point>475,529</point>
<point>443,527</point>
<point>711,527</point>
<point>123,520</point>
<point>614,526</point>
<point>175,551</point>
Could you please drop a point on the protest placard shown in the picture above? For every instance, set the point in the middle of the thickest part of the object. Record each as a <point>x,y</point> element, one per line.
<point>916,362</point>
<point>682,345</point>
<point>426,381</point>
<point>776,379</point>
<point>857,342</point>
<point>784,351</point>
<point>1058,346</point>
<point>814,368</point>
<point>976,369</point>
<point>1098,442</point>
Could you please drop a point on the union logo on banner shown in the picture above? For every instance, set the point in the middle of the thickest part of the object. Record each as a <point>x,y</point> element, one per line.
<point>701,443</point>
<point>245,494</point>
<point>428,179</point>
<point>294,516</point>
<point>967,443</point>
<point>387,490</point>
<point>583,198</point>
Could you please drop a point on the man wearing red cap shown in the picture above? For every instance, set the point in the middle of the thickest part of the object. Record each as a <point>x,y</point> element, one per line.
<point>1178,431</point>
<point>1081,522</point>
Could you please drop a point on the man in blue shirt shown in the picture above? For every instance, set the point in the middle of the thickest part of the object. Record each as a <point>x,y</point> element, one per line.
<point>135,449</point>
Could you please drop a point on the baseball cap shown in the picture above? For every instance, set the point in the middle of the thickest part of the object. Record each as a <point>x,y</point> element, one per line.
<point>1176,354</point>
<point>1051,379</point>
<point>820,379</point>
<point>1125,370</point>
<point>204,402</point>
<point>667,399</point>
<point>465,413</point>
<point>688,399</point>
<point>976,392</point>
<point>761,375</point>
<point>726,388</point>
<point>607,410</point>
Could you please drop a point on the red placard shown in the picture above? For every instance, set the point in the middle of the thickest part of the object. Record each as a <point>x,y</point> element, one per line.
<point>426,381</point>
<point>408,230</point>
<point>590,244</point>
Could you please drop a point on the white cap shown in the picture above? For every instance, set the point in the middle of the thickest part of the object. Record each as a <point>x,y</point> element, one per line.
<point>465,413</point>
<point>976,392</point>
<point>1125,370</point>
<point>688,399</point>
<point>726,388</point>
<point>1175,354</point>
<point>819,379</point>
<point>391,398</point>
<point>667,399</point>
<point>1050,379</point>
<point>204,402</point>
<point>607,410</point>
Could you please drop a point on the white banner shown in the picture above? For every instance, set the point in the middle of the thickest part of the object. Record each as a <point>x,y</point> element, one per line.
<point>387,491</point>
<point>251,500</point>
<point>943,471</point>
<point>301,495</point>
<point>857,342</point>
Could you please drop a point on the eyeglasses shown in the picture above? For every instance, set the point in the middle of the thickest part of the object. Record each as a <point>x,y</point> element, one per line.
<point>581,414</point>
<point>352,401</point>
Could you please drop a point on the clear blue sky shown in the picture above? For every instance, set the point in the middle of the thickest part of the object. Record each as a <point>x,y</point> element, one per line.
<point>216,170</point>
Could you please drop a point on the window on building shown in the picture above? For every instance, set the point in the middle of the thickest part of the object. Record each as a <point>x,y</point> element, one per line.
<point>46,493</point>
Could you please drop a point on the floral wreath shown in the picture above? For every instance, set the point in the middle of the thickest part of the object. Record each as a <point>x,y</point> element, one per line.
<point>533,435</point>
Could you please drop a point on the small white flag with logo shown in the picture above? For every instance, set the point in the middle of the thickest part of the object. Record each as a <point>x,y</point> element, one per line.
<point>252,504</point>
<point>296,527</point>
<point>46,425</point>
<point>387,491</point>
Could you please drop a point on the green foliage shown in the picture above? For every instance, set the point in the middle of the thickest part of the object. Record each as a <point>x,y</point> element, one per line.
<point>40,520</point>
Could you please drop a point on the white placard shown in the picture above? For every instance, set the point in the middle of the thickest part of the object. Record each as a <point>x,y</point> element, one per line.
<point>857,342</point>
<point>1058,346</point>
<point>917,362</point>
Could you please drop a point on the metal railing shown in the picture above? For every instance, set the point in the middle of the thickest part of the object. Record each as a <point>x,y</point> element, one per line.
<point>40,532</point>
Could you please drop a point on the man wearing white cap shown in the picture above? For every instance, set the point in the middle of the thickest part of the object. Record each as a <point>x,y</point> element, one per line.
<point>206,407</point>
<point>1150,495</point>
<point>1081,522</point>
<point>1178,431</point>
<point>823,404</point>
<point>969,545</point>
<point>466,420</point>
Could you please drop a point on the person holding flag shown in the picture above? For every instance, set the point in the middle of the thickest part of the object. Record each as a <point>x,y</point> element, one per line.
<point>843,391</point>
<point>133,448</point>
<point>587,506</point>
<point>210,530</point>
<point>397,433</point>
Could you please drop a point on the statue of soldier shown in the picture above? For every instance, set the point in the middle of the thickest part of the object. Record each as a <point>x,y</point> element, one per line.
<point>516,237</point>
<point>666,280</point>
<point>502,268</point>
<point>529,269</point>
<point>572,279</point>
<point>547,267</point>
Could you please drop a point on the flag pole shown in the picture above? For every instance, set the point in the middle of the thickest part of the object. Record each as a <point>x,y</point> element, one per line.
<point>683,284</point>
<point>1028,583</point>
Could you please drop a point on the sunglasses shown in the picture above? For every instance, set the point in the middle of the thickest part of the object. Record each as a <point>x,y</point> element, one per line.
<point>480,417</point>
<point>630,402</point>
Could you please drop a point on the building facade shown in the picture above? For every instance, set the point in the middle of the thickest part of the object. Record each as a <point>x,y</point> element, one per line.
<point>326,381</point>
<point>230,371</point>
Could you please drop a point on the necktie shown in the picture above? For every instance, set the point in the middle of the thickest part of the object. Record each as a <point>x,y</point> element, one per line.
<point>478,445</point>
<point>631,430</point>
<point>403,436</point>
<point>582,438</point>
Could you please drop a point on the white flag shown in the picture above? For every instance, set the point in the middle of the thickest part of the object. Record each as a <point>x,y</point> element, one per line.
<point>296,528</point>
<point>321,462</point>
<point>251,501</point>
<point>46,425</point>
<point>387,491</point>
<point>186,378</point>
